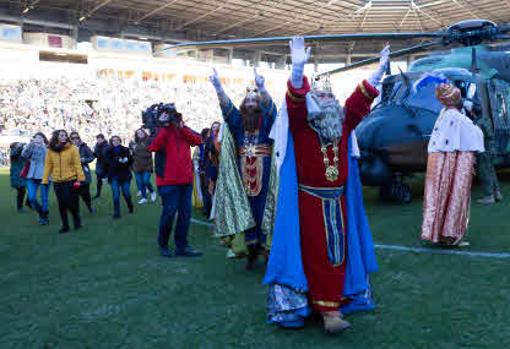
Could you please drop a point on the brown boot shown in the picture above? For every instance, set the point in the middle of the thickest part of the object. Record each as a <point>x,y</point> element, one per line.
<point>333,322</point>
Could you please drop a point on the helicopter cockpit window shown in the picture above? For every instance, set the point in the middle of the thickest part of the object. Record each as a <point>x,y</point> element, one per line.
<point>425,98</point>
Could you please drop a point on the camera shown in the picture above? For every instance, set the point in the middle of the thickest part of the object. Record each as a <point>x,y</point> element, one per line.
<point>160,115</point>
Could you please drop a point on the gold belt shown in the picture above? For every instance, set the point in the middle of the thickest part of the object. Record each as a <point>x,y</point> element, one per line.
<point>256,150</point>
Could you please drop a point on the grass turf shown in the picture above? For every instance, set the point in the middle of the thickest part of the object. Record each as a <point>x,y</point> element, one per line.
<point>106,286</point>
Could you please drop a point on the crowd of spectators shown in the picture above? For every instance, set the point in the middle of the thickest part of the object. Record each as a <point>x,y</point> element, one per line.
<point>101,105</point>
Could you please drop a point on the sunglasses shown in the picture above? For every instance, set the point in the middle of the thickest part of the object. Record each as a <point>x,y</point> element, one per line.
<point>77,138</point>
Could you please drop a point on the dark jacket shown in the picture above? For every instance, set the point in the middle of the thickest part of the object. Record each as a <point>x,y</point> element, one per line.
<point>86,157</point>
<point>142,157</point>
<point>17,164</point>
<point>173,155</point>
<point>116,168</point>
<point>99,153</point>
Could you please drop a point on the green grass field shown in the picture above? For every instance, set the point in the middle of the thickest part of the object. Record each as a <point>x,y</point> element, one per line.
<point>106,286</point>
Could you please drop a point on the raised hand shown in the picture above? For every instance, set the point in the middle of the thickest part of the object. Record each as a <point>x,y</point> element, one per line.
<point>384,55</point>
<point>260,82</point>
<point>299,54</point>
<point>384,59</point>
<point>214,78</point>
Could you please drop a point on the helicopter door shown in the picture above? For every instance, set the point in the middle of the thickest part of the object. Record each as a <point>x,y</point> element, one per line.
<point>499,96</point>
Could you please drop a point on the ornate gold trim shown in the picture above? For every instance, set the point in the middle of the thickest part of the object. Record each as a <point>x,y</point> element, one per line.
<point>295,98</point>
<point>326,303</point>
<point>363,90</point>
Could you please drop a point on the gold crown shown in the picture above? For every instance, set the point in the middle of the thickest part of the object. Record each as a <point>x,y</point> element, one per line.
<point>321,83</point>
<point>252,89</point>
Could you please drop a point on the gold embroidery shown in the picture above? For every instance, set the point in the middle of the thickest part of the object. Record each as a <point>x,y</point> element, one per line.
<point>326,303</point>
<point>295,98</point>
<point>364,91</point>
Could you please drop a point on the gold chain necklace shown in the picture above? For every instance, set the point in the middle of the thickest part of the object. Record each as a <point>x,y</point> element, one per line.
<point>332,172</point>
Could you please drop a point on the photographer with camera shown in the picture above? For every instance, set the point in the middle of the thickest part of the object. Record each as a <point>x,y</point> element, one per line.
<point>174,174</point>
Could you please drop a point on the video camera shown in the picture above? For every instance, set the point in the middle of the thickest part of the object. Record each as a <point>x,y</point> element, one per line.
<point>160,115</point>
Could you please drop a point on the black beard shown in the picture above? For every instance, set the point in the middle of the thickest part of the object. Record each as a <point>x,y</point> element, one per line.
<point>251,119</point>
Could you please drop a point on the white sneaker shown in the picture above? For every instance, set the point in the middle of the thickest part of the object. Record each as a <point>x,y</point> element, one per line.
<point>142,201</point>
<point>138,194</point>
<point>154,196</point>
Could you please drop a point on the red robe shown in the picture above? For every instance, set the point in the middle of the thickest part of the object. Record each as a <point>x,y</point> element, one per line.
<point>325,280</point>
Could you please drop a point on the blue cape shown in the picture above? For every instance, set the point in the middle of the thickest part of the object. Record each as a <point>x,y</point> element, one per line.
<point>285,266</point>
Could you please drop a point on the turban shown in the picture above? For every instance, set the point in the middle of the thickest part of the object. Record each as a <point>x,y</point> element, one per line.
<point>448,95</point>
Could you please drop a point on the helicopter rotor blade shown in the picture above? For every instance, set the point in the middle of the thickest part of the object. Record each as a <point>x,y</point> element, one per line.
<point>283,40</point>
<point>502,37</point>
<point>503,28</point>
<point>399,53</point>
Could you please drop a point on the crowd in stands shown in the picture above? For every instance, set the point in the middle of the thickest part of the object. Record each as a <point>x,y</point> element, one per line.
<point>100,105</point>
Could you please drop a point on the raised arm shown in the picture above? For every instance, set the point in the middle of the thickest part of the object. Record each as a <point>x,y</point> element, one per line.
<point>300,56</point>
<point>222,96</point>
<point>384,60</point>
<point>357,106</point>
<point>28,150</point>
<point>260,82</point>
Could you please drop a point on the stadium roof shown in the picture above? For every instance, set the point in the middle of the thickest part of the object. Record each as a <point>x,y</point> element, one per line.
<point>182,20</point>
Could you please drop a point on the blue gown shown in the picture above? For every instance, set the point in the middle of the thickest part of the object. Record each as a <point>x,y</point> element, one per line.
<point>287,300</point>
<point>234,120</point>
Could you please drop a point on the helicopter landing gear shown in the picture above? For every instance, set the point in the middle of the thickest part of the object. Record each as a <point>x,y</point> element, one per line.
<point>396,191</point>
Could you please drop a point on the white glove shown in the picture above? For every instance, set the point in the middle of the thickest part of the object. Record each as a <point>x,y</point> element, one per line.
<point>260,82</point>
<point>215,80</point>
<point>384,59</point>
<point>300,57</point>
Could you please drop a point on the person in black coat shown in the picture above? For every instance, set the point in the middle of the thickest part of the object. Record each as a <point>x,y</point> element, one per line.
<point>86,157</point>
<point>119,161</point>
<point>101,165</point>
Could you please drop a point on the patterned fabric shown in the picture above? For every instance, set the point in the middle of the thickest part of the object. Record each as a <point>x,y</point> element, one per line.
<point>454,131</point>
<point>447,197</point>
<point>361,301</point>
<point>286,304</point>
<point>233,211</point>
<point>333,220</point>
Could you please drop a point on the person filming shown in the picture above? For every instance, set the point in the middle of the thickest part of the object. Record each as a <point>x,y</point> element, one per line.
<point>174,177</point>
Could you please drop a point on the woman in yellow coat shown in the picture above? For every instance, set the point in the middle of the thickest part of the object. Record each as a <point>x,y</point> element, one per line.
<point>63,165</point>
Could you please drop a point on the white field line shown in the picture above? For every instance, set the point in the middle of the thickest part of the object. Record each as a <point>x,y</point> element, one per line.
<point>407,249</point>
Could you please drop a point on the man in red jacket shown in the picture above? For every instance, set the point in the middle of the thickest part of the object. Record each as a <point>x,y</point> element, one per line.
<point>174,178</point>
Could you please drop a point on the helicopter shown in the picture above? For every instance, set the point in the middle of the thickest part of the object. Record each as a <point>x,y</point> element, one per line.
<point>393,138</point>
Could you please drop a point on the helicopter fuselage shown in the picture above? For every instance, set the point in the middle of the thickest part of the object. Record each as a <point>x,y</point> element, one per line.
<point>393,138</point>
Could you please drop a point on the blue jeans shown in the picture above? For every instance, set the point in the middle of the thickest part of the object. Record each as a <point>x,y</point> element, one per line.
<point>117,187</point>
<point>175,198</point>
<point>143,182</point>
<point>33,186</point>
